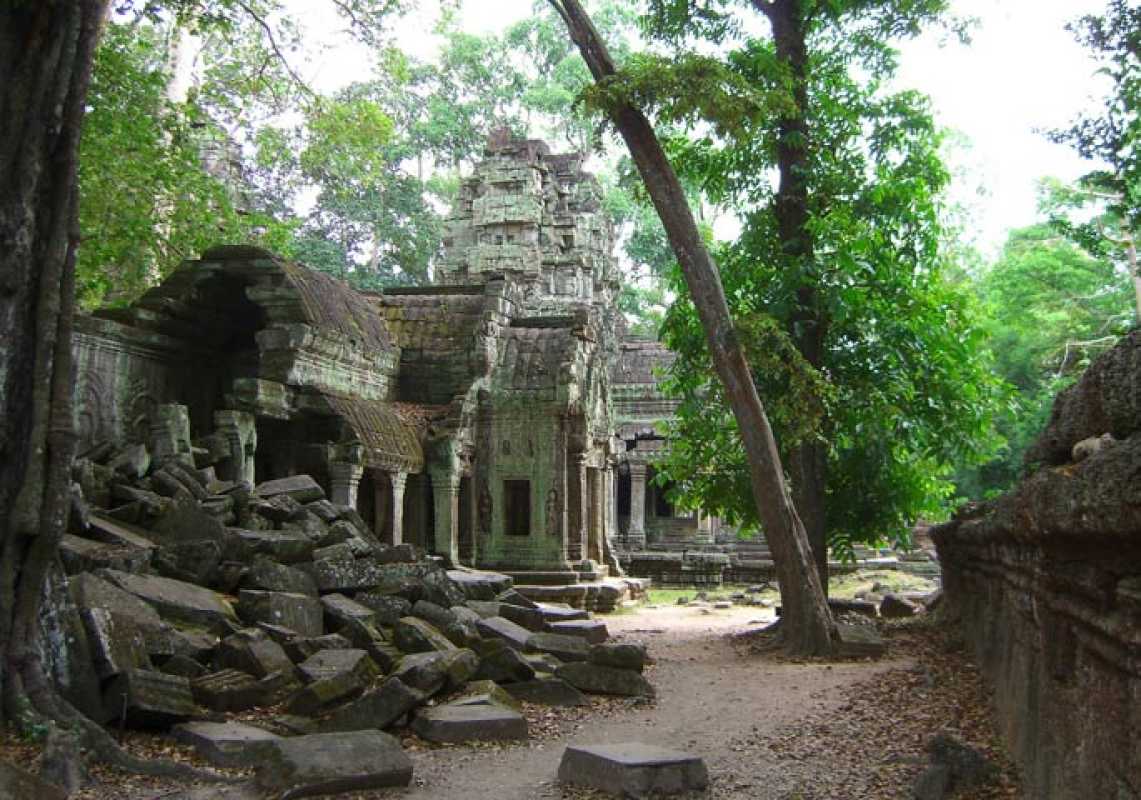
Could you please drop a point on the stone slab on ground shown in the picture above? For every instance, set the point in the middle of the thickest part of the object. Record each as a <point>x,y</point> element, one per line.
<point>327,663</point>
<point>592,630</point>
<point>547,692</point>
<point>226,744</point>
<point>469,723</point>
<point>860,641</point>
<point>331,763</point>
<point>479,585</point>
<point>228,690</point>
<point>633,769</point>
<point>599,679</point>
<point>554,613</point>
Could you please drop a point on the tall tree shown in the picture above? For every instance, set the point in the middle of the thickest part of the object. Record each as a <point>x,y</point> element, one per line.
<point>870,358</point>
<point>807,623</point>
<point>1113,137</point>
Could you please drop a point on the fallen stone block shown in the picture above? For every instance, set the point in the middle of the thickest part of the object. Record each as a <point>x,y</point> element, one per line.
<point>485,693</point>
<point>859,641</point>
<point>176,600</point>
<point>597,679</point>
<point>284,546</point>
<point>895,607</point>
<point>347,576</point>
<point>85,555</point>
<point>552,613</point>
<point>414,635</point>
<point>372,641</point>
<point>226,744</point>
<point>193,562</point>
<point>146,699</point>
<point>547,692</point>
<point>388,608</point>
<point>841,605</point>
<point>297,612</point>
<point>185,666</point>
<point>530,618</point>
<point>228,690</point>
<point>375,709</point>
<point>433,671</point>
<point>117,644</point>
<point>300,648</point>
<point>479,585</point>
<point>268,575</point>
<point>515,636</point>
<point>339,609</point>
<point>628,655</point>
<point>252,651</point>
<point>301,488</point>
<point>633,769</point>
<point>331,763</point>
<point>592,630</point>
<point>500,663</point>
<point>330,663</point>
<point>323,694</point>
<point>561,646</point>
<point>469,723</point>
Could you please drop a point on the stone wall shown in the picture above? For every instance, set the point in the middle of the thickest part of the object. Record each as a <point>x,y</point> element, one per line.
<point>1046,582</point>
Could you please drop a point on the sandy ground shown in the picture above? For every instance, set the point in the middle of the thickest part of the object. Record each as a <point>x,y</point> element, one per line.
<point>713,698</point>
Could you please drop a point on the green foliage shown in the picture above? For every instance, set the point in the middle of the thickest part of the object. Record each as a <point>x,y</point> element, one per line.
<point>901,391</point>
<point>146,202</point>
<point>1051,308</point>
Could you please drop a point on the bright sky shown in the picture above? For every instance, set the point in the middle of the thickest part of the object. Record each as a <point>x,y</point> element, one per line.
<point>1022,73</point>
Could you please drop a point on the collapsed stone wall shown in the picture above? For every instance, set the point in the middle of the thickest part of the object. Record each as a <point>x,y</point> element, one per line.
<point>1046,582</point>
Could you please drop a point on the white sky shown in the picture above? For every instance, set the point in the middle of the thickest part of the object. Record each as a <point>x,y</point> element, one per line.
<point>1022,73</point>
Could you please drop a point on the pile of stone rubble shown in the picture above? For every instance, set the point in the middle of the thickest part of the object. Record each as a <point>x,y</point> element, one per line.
<point>195,599</point>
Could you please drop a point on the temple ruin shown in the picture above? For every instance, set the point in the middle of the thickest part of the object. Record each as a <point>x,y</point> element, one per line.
<point>501,418</point>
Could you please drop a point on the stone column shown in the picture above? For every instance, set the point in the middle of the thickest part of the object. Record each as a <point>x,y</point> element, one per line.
<point>240,430</point>
<point>344,478</point>
<point>398,480</point>
<point>446,498</point>
<point>597,516</point>
<point>577,505</point>
<point>636,534</point>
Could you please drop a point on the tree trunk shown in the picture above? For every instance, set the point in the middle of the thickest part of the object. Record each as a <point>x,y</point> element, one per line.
<point>807,325</point>
<point>807,624</point>
<point>47,48</point>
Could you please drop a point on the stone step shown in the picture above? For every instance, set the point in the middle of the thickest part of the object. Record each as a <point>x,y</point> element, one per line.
<point>633,769</point>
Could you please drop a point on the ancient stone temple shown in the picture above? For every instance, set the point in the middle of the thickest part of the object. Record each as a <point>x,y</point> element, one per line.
<point>500,418</point>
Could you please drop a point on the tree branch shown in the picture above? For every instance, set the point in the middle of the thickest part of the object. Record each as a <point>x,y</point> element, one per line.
<point>256,17</point>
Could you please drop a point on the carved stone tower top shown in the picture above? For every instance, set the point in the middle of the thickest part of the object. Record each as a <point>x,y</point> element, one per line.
<point>534,218</point>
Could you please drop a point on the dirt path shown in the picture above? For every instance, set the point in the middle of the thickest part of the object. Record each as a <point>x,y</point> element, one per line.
<point>711,698</point>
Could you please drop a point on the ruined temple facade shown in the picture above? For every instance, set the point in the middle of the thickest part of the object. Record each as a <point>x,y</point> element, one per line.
<point>500,418</point>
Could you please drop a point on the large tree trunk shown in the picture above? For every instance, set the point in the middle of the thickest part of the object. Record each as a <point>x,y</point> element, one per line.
<point>46,53</point>
<point>807,325</point>
<point>807,624</point>
<point>47,48</point>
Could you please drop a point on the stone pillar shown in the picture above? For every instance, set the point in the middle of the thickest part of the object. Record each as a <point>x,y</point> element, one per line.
<point>240,430</point>
<point>398,480</point>
<point>597,516</point>
<point>446,498</point>
<point>578,506</point>
<point>636,534</point>
<point>344,479</point>
<point>170,435</point>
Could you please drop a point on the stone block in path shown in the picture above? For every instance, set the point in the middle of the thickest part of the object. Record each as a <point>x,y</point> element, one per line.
<point>332,763</point>
<point>633,769</point>
<point>469,723</point>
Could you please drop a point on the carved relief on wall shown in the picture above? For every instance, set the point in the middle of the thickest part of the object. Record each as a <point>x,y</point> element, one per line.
<point>554,512</point>
<point>505,447</point>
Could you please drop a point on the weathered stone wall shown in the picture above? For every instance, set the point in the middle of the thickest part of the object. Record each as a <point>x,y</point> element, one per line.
<point>1047,584</point>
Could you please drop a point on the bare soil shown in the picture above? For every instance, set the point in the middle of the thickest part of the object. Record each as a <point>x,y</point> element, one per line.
<point>767,726</point>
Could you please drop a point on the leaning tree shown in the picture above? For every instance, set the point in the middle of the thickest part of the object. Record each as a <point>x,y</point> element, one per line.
<point>807,626</point>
